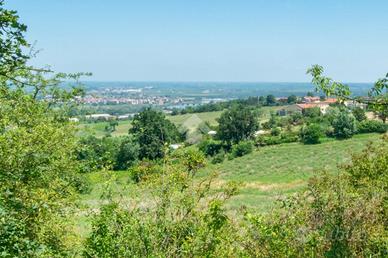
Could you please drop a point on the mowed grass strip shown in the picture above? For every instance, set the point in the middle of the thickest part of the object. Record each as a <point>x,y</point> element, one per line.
<point>275,171</point>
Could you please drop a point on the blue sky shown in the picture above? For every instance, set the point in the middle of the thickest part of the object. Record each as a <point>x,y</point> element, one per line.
<point>210,40</point>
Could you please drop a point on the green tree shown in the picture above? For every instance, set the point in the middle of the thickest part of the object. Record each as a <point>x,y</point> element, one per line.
<point>128,153</point>
<point>310,134</point>
<point>237,124</point>
<point>111,127</point>
<point>38,166</point>
<point>153,131</point>
<point>344,125</point>
<point>359,114</point>
<point>12,42</point>
<point>291,99</point>
<point>271,100</point>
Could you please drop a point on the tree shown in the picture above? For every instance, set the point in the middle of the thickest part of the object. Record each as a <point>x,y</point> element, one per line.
<point>261,99</point>
<point>38,166</point>
<point>237,124</point>
<point>359,114</point>
<point>152,131</point>
<point>291,99</point>
<point>128,153</point>
<point>310,134</point>
<point>271,100</point>
<point>344,125</point>
<point>12,42</point>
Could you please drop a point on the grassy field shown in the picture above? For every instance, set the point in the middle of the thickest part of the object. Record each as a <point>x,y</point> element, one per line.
<point>266,174</point>
<point>188,121</point>
<point>272,172</point>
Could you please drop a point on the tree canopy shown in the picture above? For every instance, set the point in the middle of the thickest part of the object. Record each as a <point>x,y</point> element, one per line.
<point>237,124</point>
<point>153,131</point>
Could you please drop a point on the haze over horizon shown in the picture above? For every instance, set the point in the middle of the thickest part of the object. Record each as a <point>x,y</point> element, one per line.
<point>203,41</point>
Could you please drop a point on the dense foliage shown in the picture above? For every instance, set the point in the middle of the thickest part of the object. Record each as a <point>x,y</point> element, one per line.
<point>38,166</point>
<point>310,134</point>
<point>344,125</point>
<point>107,152</point>
<point>153,131</point>
<point>179,219</point>
<point>237,124</point>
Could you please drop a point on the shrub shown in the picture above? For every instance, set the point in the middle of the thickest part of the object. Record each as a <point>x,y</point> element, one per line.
<point>264,140</point>
<point>219,158</point>
<point>210,147</point>
<point>310,134</point>
<point>359,114</point>
<point>178,217</point>
<point>144,170</point>
<point>289,137</point>
<point>275,131</point>
<point>192,159</point>
<point>128,153</point>
<point>242,148</point>
<point>372,126</point>
<point>344,125</point>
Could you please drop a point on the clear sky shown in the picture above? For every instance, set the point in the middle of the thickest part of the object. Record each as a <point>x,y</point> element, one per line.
<point>210,40</point>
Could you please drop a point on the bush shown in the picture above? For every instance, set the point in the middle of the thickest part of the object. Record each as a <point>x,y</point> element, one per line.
<point>264,140</point>
<point>219,158</point>
<point>310,134</point>
<point>275,131</point>
<point>372,126</point>
<point>192,159</point>
<point>344,125</point>
<point>178,217</point>
<point>242,148</point>
<point>289,137</point>
<point>144,170</point>
<point>128,153</point>
<point>210,147</point>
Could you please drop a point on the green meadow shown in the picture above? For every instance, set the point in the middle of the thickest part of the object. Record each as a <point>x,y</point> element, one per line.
<point>266,175</point>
